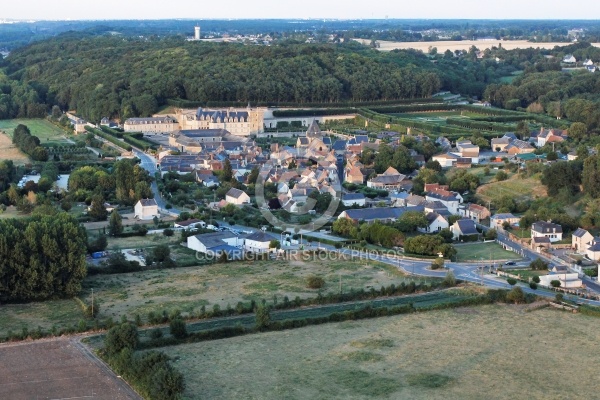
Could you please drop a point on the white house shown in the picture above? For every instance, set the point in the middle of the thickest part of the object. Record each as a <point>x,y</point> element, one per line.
<point>450,199</point>
<point>569,59</point>
<point>146,209</point>
<point>547,229</point>
<point>350,199</point>
<point>215,243</point>
<point>446,160</point>
<point>435,223</point>
<point>258,242</point>
<point>498,220</point>
<point>237,197</point>
<point>463,227</point>
<point>567,279</point>
<point>593,249</point>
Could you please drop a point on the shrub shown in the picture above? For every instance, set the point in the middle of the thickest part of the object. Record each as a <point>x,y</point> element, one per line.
<point>168,232</point>
<point>555,283</point>
<point>536,279</point>
<point>538,265</point>
<point>263,317</point>
<point>178,328</point>
<point>315,282</point>
<point>511,281</point>
<point>533,285</point>
<point>516,295</point>
<point>438,263</point>
<point>559,297</point>
<point>449,280</point>
<point>124,336</point>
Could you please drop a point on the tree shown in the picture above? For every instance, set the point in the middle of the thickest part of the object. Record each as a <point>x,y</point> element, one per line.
<point>555,283</point>
<point>161,253</point>
<point>97,210</point>
<point>178,328</point>
<point>501,176</point>
<point>274,244</point>
<point>227,171</point>
<point>449,280</point>
<point>578,131</point>
<point>511,281</point>
<point>263,317</point>
<point>536,279</point>
<point>410,221</point>
<point>115,224</point>
<point>552,156</point>
<point>516,295</point>
<point>491,234</point>
<point>123,336</point>
<point>538,265</point>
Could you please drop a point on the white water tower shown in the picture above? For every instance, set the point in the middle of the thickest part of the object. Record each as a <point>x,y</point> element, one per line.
<point>197,32</point>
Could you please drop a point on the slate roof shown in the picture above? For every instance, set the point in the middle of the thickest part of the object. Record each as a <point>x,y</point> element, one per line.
<point>339,145</point>
<point>353,196</point>
<point>377,213</point>
<point>467,227</point>
<point>260,237</point>
<point>580,232</point>
<point>148,202</point>
<point>546,227</point>
<point>235,193</point>
<point>215,239</point>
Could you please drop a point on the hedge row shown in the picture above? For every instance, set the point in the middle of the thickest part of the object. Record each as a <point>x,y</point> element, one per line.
<point>479,125</point>
<point>110,138</point>
<point>181,103</point>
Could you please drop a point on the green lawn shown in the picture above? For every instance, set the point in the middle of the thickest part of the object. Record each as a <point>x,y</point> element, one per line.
<point>484,251</point>
<point>47,132</point>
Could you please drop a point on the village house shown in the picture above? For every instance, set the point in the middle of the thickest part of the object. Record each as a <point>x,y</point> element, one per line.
<point>391,179</point>
<point>580,239</point>
<point>568,280</point>
<point>500,144</point>
<point>466,149</point>
<point>463,227</point>
<point>475,212</point>
<point>351,199</point>
<point>258,242</point>
<point>380,214</point>
<point>435,223</point>
<point>237,197</point>
<point>215,243</point>
<point>446,160</point>
<point>146,209</point>
<point>547,229</point>
<point>593,249</point>
<point>451,200</point>
<point>498,220</point>
<point>518,146</point>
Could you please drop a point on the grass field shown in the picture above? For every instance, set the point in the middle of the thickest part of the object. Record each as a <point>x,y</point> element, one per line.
<point>491,352</point>
<point>485,251</point>
<point>48,133</point>
<point>514,187</point>
<point>188,289</point>
<point>526,273</point>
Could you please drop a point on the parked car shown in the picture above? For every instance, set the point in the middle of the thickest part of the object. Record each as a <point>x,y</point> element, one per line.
<point>510,263</point>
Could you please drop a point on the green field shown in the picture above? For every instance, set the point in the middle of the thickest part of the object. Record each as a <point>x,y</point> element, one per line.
<point>484,252</point>
<point>526,273</point>
<point>491,352</point>
<point>515,187</point>
<point>47,132</point>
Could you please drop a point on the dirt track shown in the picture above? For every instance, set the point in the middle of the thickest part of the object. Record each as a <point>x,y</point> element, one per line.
<point>58,368</point>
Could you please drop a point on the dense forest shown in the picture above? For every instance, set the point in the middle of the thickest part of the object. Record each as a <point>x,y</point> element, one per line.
<point>110,76</point>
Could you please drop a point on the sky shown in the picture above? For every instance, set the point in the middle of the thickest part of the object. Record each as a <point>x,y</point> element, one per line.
<point>339,9</point>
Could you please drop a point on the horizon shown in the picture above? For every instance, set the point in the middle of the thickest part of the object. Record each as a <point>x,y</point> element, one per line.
<point>73,10</point>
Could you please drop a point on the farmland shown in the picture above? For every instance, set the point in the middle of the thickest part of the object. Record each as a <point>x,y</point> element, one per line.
<point>425,355</point>
<point>485,252</point>
<point>8,151</point>
<point>188,289</point>
<point>444,45</point>
<point>48,133</point>
<point>56,369</point>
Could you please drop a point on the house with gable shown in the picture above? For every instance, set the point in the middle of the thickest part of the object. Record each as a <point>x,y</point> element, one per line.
<point>435,223</point>
<point>146,209</point>
<point>391,179</point>
<point>451,200</point>
<point>475,212</point>
<point>549,230</point>
<point>237,197</point>
<point>463,227</point>
<point>580,239</point>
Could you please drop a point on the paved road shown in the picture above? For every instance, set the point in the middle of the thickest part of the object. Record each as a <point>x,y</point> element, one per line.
<point>149,164</point>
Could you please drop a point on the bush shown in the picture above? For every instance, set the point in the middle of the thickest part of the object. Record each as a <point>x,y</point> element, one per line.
<point>516,295</point>
<point>178,328</point>
<point>536,279</point>
<point>438,263</point>
<point>168,232</point>
<point>449,280</point>
<point>315,282</point>
<point>539,265</point>
<point>263,317</point>
<point>555,283</point>
<point>511,281</point>
<point>533,285</point>
<point>124,336</point>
